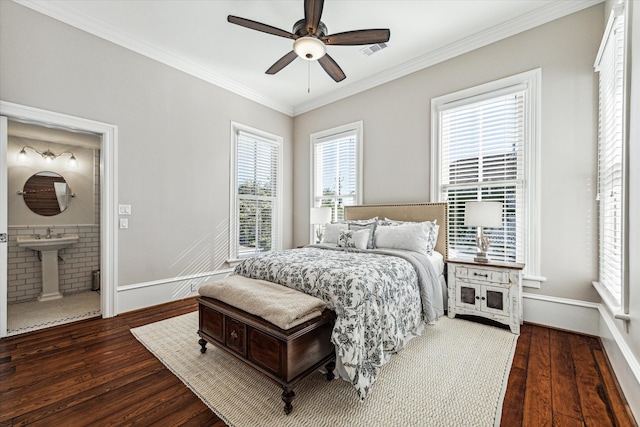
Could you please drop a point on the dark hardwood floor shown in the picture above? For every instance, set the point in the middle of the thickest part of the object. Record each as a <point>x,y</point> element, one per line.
<point>94,372</point>
<point>561,378</point>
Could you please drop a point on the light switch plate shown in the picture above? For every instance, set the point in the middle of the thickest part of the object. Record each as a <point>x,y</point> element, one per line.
<point>124,209</point>
<point>124,223</point>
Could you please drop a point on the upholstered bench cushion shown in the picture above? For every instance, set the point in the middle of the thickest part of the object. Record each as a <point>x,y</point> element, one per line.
<point>277,304</point>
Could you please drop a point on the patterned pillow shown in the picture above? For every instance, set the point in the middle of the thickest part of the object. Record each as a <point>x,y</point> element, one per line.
<point>332,232</point>
<point>361,221</point>
<point>353,239</point>
<point>370,228</point>
<point>433,230</point>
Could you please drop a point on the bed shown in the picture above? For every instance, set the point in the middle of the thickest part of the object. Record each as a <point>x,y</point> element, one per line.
<point>382,297</point>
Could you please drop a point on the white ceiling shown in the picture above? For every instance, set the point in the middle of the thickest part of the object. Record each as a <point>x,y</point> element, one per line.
<point>194,36</point>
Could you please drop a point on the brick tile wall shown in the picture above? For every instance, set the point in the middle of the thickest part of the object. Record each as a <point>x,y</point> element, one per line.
<point>75,268</point>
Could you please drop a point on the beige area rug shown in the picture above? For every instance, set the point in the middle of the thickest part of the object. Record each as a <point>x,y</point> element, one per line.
<point>33,315</point>
<point>455,374</point>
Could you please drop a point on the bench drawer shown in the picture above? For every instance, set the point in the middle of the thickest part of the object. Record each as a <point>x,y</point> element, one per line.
<point>265,351</point>
<point>212,323</point>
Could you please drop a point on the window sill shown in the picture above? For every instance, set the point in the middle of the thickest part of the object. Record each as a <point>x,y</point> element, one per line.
<point>611,303</point>
<point>234,261</point>
<point>532,281</point>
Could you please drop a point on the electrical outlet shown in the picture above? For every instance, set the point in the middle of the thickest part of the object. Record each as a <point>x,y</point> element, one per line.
<point>194,287</point>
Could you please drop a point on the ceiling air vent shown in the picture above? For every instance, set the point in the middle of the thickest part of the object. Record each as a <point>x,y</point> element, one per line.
<point>371,49</point>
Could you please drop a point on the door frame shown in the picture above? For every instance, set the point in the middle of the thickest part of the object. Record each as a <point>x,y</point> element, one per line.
<point>108,197</point>
<point>3,221</point>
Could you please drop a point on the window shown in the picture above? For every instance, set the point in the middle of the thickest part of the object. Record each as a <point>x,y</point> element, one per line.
<point>610,64</point>
<point>485,148</point>
<point>337,168</point>
<point>255,192</point>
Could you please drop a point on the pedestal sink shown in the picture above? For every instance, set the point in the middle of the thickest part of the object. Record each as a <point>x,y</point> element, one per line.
<point>49,249</point>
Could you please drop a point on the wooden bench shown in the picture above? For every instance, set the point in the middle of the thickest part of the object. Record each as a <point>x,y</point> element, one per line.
<point>284,356</point>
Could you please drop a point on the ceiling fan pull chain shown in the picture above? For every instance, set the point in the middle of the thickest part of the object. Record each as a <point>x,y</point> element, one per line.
<point>308,76</point>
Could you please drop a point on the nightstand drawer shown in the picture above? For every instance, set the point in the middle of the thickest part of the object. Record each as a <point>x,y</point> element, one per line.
<point>482,275</point>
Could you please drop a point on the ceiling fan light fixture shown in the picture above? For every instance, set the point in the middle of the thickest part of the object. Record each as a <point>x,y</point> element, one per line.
<point>309,48</point>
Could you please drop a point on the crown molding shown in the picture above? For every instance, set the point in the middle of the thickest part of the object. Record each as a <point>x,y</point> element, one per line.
<point>98,28</point>
<point>507,29</point>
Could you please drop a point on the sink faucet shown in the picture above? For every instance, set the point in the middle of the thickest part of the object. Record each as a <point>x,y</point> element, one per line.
<point>48,233</point>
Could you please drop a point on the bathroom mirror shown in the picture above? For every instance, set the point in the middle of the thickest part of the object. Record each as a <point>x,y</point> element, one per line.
<point>46,193</point>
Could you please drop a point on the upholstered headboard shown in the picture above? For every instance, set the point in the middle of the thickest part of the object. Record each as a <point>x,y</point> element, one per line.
<point>407,212</point>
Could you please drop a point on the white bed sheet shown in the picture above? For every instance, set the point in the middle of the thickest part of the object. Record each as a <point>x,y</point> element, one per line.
<point>437,260</point>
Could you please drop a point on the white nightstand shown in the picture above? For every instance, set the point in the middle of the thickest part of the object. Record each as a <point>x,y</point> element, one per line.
<point>492,290</point>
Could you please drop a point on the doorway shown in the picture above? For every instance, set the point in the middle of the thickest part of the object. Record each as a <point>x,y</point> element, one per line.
<point>105,171</point>
<point>53,177</point>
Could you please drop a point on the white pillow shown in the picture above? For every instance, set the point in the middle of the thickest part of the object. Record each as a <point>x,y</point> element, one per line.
<point>332,232</point>
<point>410,236</point>
<point>354,239</point>
<point>432,228</point>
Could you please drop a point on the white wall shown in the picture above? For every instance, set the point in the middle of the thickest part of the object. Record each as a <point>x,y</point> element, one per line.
<point>174,139</point>
<point>397,139</point>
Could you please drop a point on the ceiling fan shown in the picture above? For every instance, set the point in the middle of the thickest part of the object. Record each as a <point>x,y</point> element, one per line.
<point>310,39</point>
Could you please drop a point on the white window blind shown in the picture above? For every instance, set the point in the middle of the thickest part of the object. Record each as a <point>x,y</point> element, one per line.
<point>336,170</point>
<point>610,66</point>
<point>257,163</point>
<point>482,158</point>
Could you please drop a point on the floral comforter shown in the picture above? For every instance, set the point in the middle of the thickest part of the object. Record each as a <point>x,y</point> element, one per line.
<point>380,297</point>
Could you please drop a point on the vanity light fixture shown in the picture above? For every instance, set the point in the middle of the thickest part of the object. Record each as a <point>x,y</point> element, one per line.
<point>48,156</point>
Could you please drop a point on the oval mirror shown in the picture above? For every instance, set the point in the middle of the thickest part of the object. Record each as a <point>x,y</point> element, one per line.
<point>46,193</point>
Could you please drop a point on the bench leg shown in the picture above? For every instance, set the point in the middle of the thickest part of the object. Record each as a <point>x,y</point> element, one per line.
<point>203,345</point>
<point>287,397</point>
<point>330,367</point>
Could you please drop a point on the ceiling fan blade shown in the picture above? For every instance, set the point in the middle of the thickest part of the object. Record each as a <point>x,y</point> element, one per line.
<point>312,14</point>
<point>282,62</point>
<point>332,68</point>
<point>358,37</point>
<point>258,26</point>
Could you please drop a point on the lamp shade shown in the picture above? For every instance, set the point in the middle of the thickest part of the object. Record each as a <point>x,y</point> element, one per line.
<point>483,214</point>
<point>309,48</point>
<point>320,215</point>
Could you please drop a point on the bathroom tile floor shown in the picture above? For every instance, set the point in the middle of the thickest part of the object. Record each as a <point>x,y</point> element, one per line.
<point>33,315</point>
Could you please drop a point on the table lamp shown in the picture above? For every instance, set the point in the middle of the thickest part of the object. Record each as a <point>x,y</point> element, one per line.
<point>483,214</point>
<point>318,218</point>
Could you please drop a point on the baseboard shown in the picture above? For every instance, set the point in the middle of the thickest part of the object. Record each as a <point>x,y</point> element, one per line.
<point>140,295</point>
<point>591,319</point>
<point>562,313</point>
<point>623,362</point>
